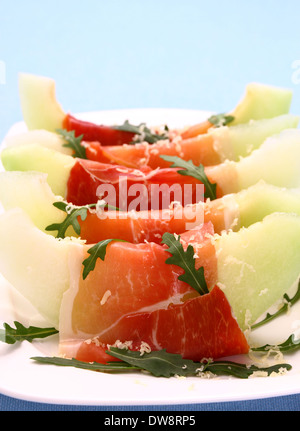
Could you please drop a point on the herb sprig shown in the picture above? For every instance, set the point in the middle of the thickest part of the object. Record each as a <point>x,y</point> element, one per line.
<point>142,133</point>
<point>194,171</point>
<point>185,260</point>
<point>221,120</point>
<point>98,251</point>
<point>73,212</point>
<point>290,345</point>
<point>71,219</point>
<point>74,143</point>
<point>158,363</point>
<point>10,335</point>
<point>163,364</point>
<point>288,302</point>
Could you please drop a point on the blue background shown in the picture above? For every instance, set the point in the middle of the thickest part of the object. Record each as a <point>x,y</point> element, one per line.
<point>132,53</point>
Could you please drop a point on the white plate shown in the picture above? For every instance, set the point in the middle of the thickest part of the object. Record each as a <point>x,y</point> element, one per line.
<point>20,377</point>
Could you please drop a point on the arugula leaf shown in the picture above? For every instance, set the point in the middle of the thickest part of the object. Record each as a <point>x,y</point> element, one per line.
<point>71,219</point>
<point>221,120</point>
<point>20,333</point>
<point>288,303</point>
<point>185,260</point>
<point>93,366</point>
<point>162,364</point>
<point>194,171</point>
<point>159,363</point>
<point>242,371</point>
<point>142,132</point>
<point>98,251</point>
<point>73,212</point>
<point>72,142</point>
<point>290,345</point>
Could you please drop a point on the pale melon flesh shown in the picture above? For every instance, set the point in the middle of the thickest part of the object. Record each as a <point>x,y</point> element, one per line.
<point>34,263</point>
<point>276,162</point>
<point>238,141</point>
<point>34,157</point>
<point>258,264</point>
<point>40,137</point>
<point>262,199</point>
<point>38,102</point>
<point>31,192</point>
<point>260,102</point>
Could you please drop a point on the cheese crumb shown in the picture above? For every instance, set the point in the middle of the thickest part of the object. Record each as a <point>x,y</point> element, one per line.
<point>144,348</point>
<point>105,297</point>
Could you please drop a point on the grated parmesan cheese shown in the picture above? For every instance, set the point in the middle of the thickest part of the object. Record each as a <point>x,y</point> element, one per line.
<point>105,297</point>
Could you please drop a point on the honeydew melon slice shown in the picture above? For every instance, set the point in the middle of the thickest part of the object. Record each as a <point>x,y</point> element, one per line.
<point>44,138</point>
<point>258,264</point>
<point>35,264</point>
<point>38,102</point>
<point>262,199</point>
<point>31,192</point>
<point>34,157</point>
<point>249,206</point>
<point>260,102</point>
<point>276,162</point>
<point>234,142</point>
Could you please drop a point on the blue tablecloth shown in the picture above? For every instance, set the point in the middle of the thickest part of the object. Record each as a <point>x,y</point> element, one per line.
<point>137,54</point>
<point>287,403</point>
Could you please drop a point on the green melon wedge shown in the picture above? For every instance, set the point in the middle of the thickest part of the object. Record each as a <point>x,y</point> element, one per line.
<point>34,157</point>
<point>253,204</point>
<point>260,102</point>
<point>31,192</point>
<point>232,143</point>
<point>34,263</point>
<point>38,102</point>
<point>262,199</point>
<point>43,138</point>
<point>258,264</point>
<point>276,162</point>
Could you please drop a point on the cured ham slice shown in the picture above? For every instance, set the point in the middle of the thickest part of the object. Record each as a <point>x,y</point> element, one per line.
<point>140,226</point>
<point>202,327</point>
<point>133,289</point>
<point>200,149</point>
<point>154,189</point>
